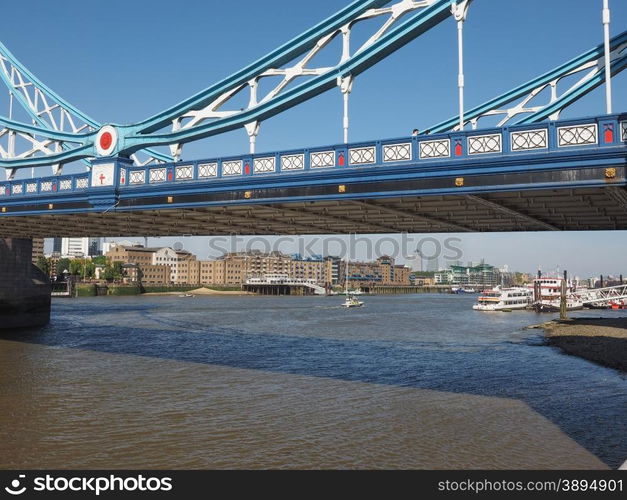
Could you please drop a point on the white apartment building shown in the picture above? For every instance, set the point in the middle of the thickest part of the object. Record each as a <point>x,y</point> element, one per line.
<point>177,260</point>
<point>80,247</point>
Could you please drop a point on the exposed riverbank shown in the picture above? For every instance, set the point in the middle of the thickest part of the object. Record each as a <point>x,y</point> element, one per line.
<point>101,289</point>
<point>203,291</point>
<point>602,340</point>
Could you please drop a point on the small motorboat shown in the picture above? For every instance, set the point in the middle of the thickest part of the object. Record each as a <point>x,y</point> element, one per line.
<point>352,301</point>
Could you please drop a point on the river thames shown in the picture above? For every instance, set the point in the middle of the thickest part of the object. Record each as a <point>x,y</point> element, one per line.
<point>230,382</point>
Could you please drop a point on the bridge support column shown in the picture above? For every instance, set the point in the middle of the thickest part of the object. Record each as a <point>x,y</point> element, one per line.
<point>346,85</point>
<point>252,129</point>
<point>606,44</point>
<point>460,11</point>
<point>24,289</point>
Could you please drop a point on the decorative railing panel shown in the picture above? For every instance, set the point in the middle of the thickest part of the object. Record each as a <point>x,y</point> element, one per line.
<point>397,152</point>
<point>322,159</point>
<point>156,175</point>
<point>207,170</point>
<point>138,177</point>
<point>264,165</point>
<point>578,135</point>
<point>362,156</point>
<point>529,139</point>
<point>440,148</point>
<point>482,144</point>
<point>184,173</point>
<point>232,167</point>
<point>293,162</point>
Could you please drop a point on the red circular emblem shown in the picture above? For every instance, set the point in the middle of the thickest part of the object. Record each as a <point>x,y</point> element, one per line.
<point>105,140</point>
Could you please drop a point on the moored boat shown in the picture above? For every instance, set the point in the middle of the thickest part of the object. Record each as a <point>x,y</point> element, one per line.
<point>553,305</point>
<point>547,295</point>
<point>504,299</point>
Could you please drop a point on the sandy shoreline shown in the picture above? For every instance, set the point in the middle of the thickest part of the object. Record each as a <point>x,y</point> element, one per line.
<point>202,291</point>
<point>602,340</point>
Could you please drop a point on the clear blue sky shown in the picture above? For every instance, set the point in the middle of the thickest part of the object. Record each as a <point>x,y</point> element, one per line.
<point>121,61</point>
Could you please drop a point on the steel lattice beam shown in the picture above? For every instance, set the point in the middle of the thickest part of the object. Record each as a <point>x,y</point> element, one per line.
<point>511,212</point>
<point>619,194</point>
<point>412,216</point>
<point>368,226</point>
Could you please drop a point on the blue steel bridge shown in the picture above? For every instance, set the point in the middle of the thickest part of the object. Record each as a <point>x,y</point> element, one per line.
<point>532,171</point>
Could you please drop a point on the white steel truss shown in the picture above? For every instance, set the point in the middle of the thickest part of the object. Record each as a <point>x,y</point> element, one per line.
<point>297,69</point>
<point>602,295</point>
<point>524,106</point>
<point>48,112</point>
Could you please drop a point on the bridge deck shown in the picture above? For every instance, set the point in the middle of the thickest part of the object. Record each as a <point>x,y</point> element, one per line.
<point>554,209</point>
<point>568,175</point>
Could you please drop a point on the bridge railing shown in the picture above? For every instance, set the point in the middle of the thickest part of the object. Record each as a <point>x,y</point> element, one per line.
<point>45,185</point>
<point>437,150</point>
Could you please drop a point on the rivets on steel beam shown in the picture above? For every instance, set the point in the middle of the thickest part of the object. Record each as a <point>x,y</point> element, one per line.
<point>610,173</point>
<point>341,188</point>
<point>459,181</point>
<point>170,199</point>
<point>248,194</point>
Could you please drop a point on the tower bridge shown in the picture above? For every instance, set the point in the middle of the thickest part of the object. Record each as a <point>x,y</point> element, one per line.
<point>533,171</point>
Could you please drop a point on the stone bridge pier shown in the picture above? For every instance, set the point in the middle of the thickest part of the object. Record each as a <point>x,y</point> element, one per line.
<point>24,289</point>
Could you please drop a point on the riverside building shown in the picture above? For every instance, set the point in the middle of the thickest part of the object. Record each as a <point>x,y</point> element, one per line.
<point>482,275</point>
<point>233,269</point>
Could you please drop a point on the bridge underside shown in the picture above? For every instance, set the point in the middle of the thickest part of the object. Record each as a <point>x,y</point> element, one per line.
<point>574,209</point>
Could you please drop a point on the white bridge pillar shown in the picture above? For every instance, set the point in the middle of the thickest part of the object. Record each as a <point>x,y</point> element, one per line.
<point>346,85</point>
<point>606,42</point>
<point>460,11</point>
<point>252,129</point>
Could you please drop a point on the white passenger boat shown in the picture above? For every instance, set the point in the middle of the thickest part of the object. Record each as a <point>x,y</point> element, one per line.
<point>501,299</point>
